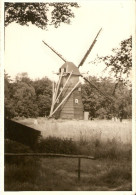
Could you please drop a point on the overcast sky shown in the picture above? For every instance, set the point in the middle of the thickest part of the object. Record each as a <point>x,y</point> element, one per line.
<point>25,51</point>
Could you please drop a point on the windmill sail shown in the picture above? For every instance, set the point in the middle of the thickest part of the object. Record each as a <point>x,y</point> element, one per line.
<point>89,50</point>
<point>92,85</point>
<point>55,51</point>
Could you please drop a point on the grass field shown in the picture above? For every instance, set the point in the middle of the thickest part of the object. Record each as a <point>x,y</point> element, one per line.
<point>87,130</point>
<point>108,141</point>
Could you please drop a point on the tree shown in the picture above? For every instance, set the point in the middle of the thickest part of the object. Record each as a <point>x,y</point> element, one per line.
<point>43,89</point>
<point>24,100</point>
<point>120,62</point>
<point>24,97</point>
<point>123,101</point>
<point>94,100</point>
<point>98,106</point>
<point>44,105</point>
<point>7,84</point>
<point>8,101</point>
<point>37,13</point>
<point>120,66</point>
<point>23,77</point>
<point>20,97</point>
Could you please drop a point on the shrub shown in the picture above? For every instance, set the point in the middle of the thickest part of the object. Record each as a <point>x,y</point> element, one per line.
<point>57,145</point>
<point>112,149</point>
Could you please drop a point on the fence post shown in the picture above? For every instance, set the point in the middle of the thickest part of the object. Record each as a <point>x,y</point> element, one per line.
<point>79,162</point>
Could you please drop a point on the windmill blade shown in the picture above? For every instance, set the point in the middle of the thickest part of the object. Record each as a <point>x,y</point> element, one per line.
<point>92,85</point>
<point>89,50</point>
<point>55,52</point>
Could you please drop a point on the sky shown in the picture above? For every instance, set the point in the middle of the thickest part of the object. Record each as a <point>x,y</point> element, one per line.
<point>25,51</point>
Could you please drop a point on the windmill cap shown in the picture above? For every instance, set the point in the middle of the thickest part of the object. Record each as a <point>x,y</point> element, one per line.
<point>69,67</point>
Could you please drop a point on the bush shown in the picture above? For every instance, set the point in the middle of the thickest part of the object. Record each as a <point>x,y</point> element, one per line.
<point>57,145</point>
<point>110,149</point>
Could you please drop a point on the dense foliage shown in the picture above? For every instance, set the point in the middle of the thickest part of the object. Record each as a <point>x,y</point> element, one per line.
<point>99,106</point>
<point>120,62</point>
<point>27,98</point>
<point>38,13</point>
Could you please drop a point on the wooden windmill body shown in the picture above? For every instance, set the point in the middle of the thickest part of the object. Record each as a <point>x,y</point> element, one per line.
<point>72,108</point>
<point>67,99</point>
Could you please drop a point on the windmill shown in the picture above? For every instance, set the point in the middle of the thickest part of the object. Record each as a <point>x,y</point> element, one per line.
<point>66,99</point>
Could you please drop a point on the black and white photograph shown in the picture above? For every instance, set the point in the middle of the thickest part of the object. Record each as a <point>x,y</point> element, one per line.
<point>68,79</point>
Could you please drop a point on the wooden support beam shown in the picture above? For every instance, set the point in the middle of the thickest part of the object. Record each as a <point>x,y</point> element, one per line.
<point>64,86</point>
<point>55,91</point>
<point>65,98</point>
<point>58,84</point>
<point>52,105</point>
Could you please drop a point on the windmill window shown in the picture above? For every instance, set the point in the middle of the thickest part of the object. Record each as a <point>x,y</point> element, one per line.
<point>76,101</point>
<point>62,69</point>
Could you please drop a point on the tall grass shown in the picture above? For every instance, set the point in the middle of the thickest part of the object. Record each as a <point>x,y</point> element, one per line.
<point>100,138</point>
<point>87,130</point>
<point>110,149</point>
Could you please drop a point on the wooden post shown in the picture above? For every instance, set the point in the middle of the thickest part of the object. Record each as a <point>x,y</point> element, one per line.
<point>79,163</point>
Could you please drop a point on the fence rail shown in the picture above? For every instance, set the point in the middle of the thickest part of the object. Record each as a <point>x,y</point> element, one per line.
<point>79,157</point>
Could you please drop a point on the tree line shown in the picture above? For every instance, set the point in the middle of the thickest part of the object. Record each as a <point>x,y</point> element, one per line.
<point>27,98</point>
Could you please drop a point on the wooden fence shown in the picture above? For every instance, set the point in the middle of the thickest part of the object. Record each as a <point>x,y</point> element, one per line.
<point>79,157</point>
